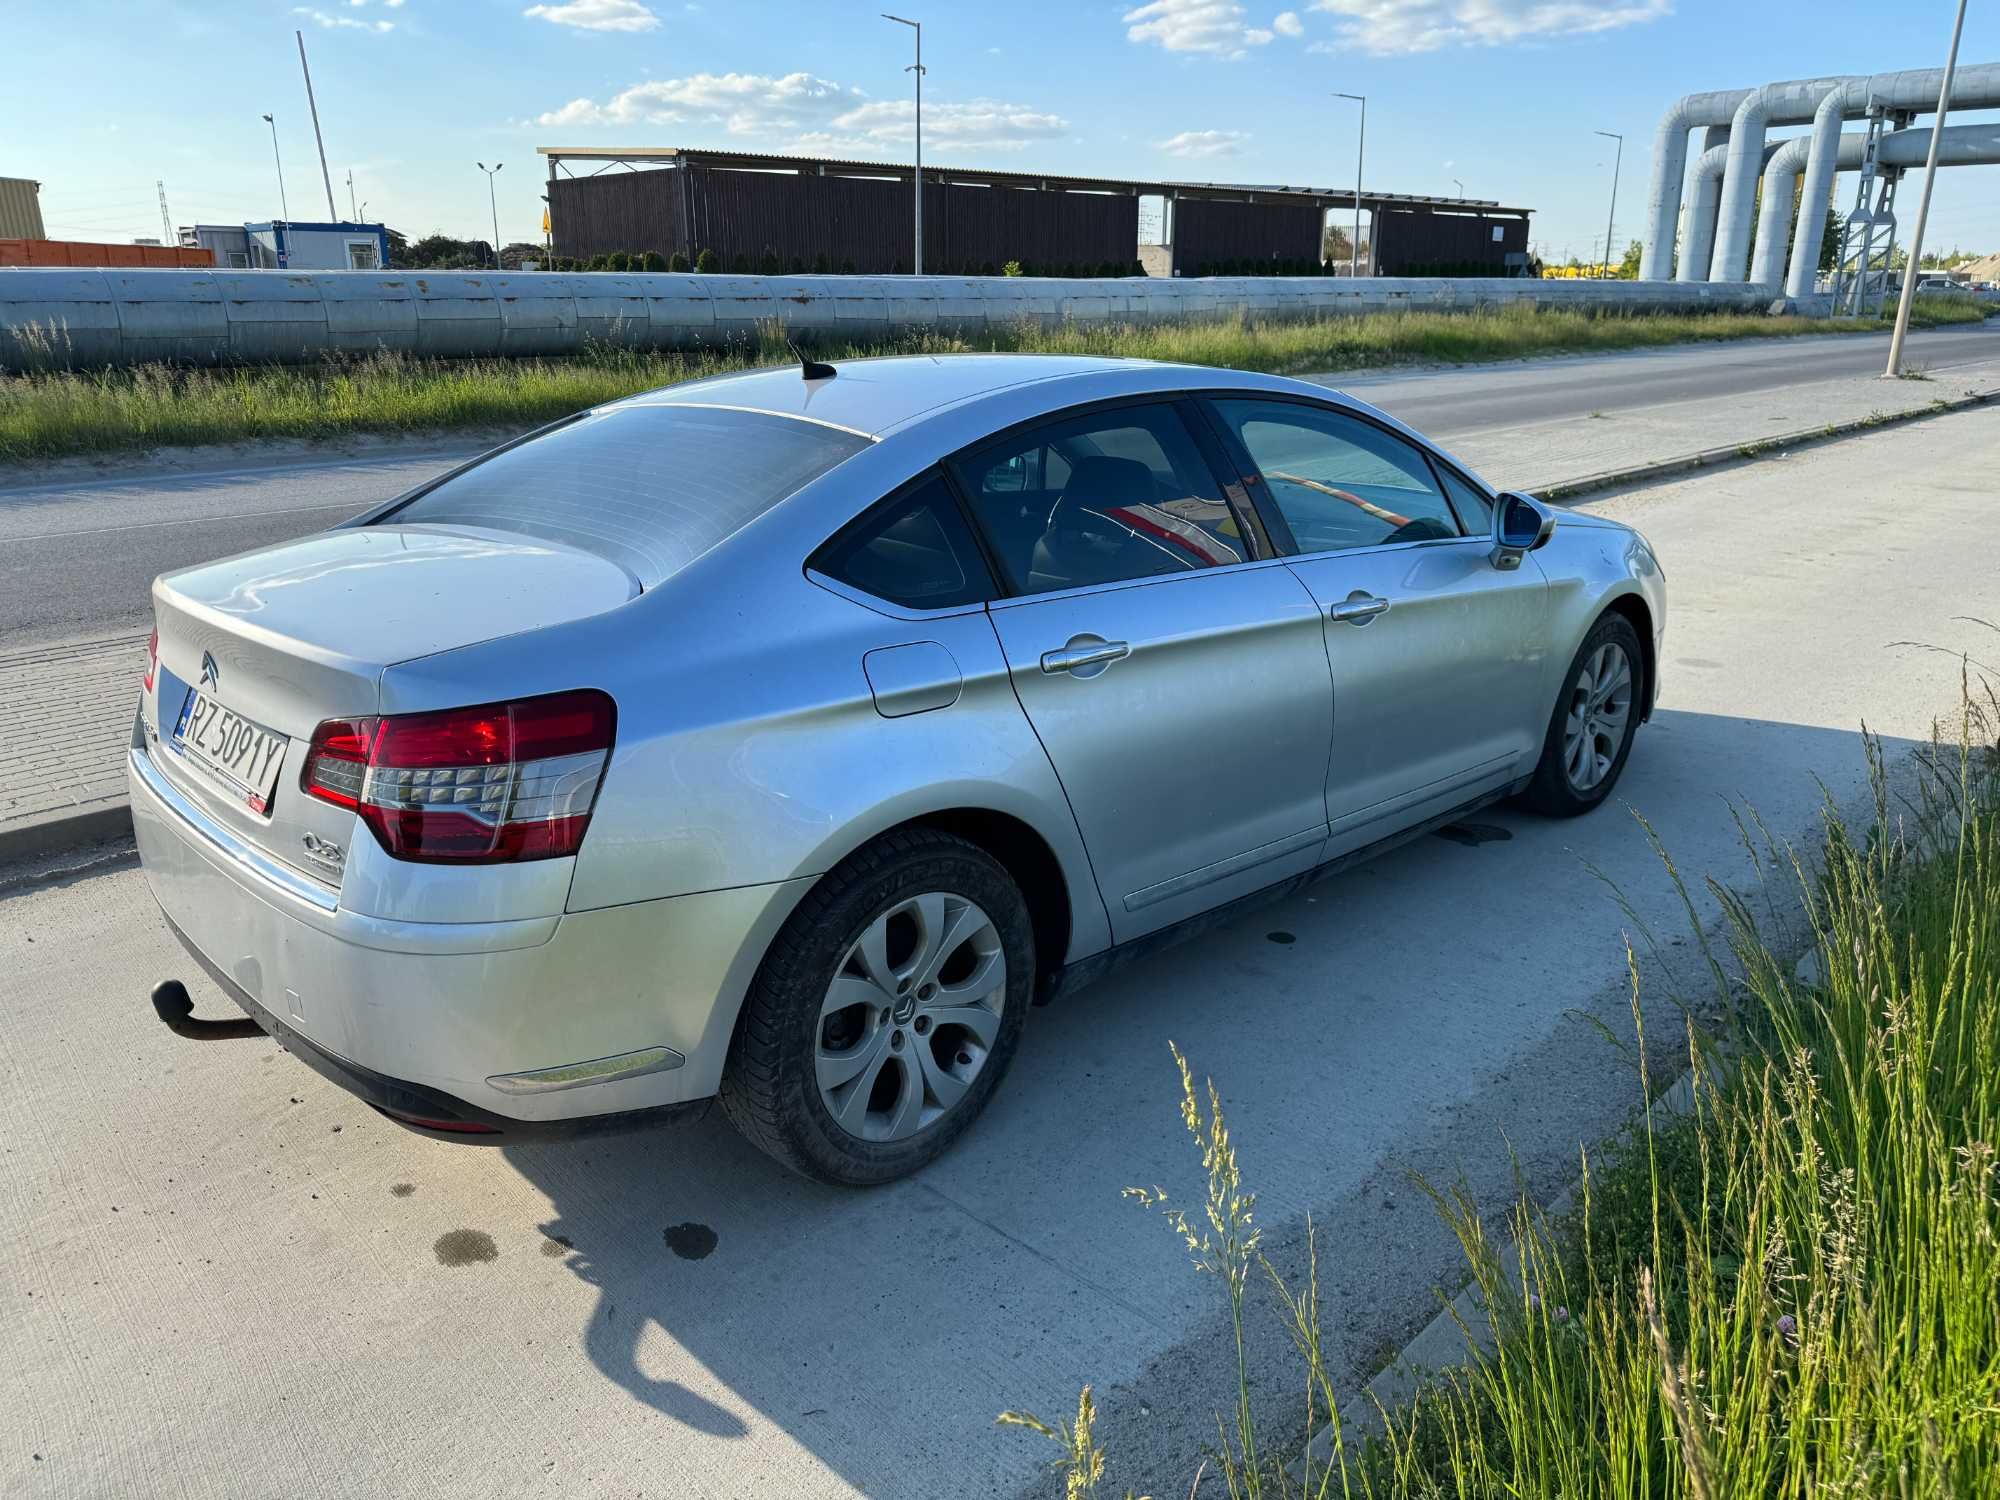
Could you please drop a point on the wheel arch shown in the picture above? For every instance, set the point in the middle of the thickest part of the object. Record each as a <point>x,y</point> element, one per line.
<point>1634,608</point>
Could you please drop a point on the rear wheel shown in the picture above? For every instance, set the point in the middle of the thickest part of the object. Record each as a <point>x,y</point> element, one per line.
<point>1590,732</point>
<point>886,1012</point>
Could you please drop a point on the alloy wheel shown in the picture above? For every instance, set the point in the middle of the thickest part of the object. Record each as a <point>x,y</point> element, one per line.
<point>1599,717</point>
<point>910,1017</point>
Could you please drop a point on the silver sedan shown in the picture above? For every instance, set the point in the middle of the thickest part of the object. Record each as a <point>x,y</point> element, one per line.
<point>787,736</point>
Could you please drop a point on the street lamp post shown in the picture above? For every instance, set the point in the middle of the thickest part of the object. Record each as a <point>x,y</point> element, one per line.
<point>1360,148</point>
<point>1459,185</point>
<point>493,204</point>
<point>1617,163</point>
<point>283,207</point>
<point>917,256</point>
<point>1916,260</point>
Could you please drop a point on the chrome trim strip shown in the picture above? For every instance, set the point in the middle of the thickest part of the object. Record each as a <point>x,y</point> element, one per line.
<point>579,1075</point>
<point>763,411</point>
<point>1222,869</point>
<point>226,843</point>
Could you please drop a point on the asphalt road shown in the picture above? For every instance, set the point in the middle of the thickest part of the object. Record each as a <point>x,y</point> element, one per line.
<point>77,558</point>
<point>223,1276</point>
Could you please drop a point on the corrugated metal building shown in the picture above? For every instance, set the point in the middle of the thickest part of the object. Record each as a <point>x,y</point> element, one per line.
<point>290,246</point>
<point>21,209</point>
<point>786,213</point>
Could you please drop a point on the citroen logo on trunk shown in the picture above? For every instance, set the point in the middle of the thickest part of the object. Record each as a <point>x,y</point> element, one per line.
<point>209,674</point>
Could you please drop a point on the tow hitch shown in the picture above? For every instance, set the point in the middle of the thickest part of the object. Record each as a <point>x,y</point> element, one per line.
<point>174,1008</point>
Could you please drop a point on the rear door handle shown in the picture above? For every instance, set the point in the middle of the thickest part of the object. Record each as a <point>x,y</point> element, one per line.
<point>1080,658</point>
<point>1357,608</point>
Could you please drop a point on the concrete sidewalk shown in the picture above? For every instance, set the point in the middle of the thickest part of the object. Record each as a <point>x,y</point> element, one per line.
<point>65,718</point>
<point>67,709</point>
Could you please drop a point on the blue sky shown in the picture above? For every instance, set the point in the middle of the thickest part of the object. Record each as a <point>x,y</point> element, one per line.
<point>1501,95</point>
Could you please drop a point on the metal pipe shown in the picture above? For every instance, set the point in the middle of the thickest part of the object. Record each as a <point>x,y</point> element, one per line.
<point>1703,197</point>
<point>326,176</point>
<point>1958,146</point>
<point>1612,216</point>
<point>1895,365</point>
<point>1750,111</point>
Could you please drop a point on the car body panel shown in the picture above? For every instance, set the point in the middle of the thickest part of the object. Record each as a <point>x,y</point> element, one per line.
<point>1438,698</point>
<point>772,721</point>
<point>1181,801</point>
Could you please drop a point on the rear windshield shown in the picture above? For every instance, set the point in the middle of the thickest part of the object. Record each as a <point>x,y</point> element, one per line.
<point>648,487</point>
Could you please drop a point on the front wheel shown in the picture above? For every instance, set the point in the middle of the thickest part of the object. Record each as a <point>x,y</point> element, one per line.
<point>886,1012</point>
<point>1590,732</point>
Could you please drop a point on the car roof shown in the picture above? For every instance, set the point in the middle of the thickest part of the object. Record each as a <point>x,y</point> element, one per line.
<point>872,397</point>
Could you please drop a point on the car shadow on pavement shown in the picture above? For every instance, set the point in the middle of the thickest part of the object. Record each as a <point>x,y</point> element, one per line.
<point>1443,1006</point>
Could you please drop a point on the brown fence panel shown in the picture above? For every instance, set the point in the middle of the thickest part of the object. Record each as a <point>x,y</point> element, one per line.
<point>1210,233</point>
<point>1417,242</point>
<point>633,211</point>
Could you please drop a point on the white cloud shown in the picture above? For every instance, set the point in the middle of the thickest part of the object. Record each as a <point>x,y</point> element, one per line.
<point>597,15</point>
<point>343,23</point>
<point>1386,27</point>
<point>1287,23</point>
<point>1205,143</point>
<point>1214,28</point>
<point>804,113</point>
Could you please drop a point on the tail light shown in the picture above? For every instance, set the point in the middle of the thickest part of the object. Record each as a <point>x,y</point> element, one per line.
<point>152,661</point>
<point>499,782</point>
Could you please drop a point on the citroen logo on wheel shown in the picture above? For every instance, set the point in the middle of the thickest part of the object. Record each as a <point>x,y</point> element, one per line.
<point>209,674</point>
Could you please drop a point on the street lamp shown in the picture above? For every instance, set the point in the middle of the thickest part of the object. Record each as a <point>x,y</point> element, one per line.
<point>1924,205</point>
<point>1360,146</point>
<point>918,69</point>
<point>283,207</point>
<point>493,205</point>
<point>1617,163</point>
<point>1459,185</point>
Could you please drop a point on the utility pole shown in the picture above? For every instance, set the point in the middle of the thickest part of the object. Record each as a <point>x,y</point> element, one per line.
<point>1923,205</point>
<point>283,207</point>
<point>1360,150</point>
<point>918,69</point>
<point>331,211</point>
<point>1617,164</point>
<point>350,196</point>
<point>493,204</point>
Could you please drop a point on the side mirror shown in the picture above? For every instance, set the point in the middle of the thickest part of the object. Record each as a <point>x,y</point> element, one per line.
<point>1520,525</point>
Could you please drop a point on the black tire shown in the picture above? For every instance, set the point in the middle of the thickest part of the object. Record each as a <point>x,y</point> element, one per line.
<point>1552,792</point>
<point>769,1084</point>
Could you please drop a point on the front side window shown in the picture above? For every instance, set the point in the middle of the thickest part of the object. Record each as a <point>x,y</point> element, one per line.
<point>1475,511</point>
<point>1103,498</point>
<point>648,487</point>
<point>915,551</point>
<point>1338,481</point>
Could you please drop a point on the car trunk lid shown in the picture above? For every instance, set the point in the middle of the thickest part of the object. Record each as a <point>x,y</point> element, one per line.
<point>281,640</point>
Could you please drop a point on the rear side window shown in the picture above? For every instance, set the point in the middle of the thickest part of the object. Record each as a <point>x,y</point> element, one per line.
<point>648,487</point>
<point>915,551</point>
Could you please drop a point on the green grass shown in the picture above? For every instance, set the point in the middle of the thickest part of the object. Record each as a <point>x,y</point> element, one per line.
<point>1792,1290</point>
<point>56,414</point>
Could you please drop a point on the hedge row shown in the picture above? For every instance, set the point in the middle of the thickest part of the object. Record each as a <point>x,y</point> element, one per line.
<point>821,265</point>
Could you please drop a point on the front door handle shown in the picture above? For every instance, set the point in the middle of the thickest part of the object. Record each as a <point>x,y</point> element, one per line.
<point>1079,657</point>
<point>1357,608</point>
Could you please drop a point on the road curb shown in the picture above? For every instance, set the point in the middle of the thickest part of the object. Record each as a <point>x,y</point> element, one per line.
<point>1735,453</point>
<point>47,833</point>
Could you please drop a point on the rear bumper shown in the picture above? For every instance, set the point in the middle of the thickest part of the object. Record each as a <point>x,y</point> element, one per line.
<point>446,1016</point>
<point>425,1110</point>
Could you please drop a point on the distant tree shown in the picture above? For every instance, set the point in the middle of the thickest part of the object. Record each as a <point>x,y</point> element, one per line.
<point>821,266</point>
<point>598,262</point>
<point>770,265</point>
<point>678,261</point>
<point>1628,268</point>
<point>1829,242</point>
<point>511,255</point>
<point>652,260</point>
<point>618,260</point>
<point>1012,268</point>
<point>704,261</point>
<point>847,267</point>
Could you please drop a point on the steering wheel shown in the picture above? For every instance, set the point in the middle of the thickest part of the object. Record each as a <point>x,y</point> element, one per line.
<point>1422,529</point>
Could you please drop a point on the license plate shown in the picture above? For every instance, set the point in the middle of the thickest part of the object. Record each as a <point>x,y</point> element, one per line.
<point>229,748</point>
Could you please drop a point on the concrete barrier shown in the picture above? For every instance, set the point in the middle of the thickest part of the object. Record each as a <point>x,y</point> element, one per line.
<point>61,317</point>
